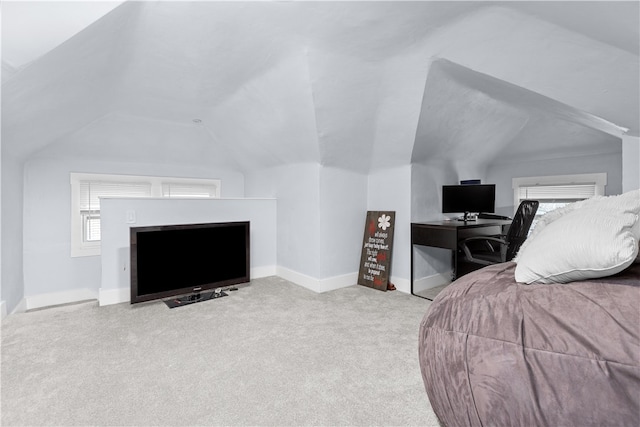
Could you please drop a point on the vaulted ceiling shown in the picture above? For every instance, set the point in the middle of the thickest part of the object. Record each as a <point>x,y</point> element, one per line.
<point>355,85</point>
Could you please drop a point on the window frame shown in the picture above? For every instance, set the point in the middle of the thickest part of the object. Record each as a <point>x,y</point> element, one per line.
<point>598,180</point>
<point>82,248</point>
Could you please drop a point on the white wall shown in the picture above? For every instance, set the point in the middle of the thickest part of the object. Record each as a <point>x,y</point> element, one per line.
<point>502,174</point>
<point>321,214</point>
<point>426,189</point>
<point>297,190</point>
<point>390,190</point>
<point>630,163</point>
<point>320,233</point>
<point>115,278</point>
<point>343,207</point>
<point>3,304</point>
<point>49,270</point>
<point>12,224</point>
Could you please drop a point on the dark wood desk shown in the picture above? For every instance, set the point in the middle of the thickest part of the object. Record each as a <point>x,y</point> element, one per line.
<point>447,234</point>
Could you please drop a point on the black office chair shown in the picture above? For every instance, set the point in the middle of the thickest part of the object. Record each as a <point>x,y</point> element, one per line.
<point>487,250</point>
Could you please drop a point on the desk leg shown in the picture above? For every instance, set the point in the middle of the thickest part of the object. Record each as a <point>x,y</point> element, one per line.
<point>455,264</point>
<point>412,269</point>
<point>412,293</point>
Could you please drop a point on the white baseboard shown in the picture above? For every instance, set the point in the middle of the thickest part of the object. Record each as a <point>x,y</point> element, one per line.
<point>258,272</point>
<point>402,285</point>
<point>113,296</point>
<point>338,282</point>
<point>433,281</point>
<point>3,310</point>
<point>57,298</point>
<point>318,285</point>
<point>21,307</point>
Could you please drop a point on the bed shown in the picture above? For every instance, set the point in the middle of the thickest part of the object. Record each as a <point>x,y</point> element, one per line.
<point>494,352</point>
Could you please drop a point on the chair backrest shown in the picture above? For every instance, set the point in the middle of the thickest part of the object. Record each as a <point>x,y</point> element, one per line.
<point>519,228</point>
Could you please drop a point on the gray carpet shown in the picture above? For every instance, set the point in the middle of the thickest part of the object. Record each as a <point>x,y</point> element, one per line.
<point>272,353</point>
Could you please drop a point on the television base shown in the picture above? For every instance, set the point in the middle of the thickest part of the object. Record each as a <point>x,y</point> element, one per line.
<point>193,298</point>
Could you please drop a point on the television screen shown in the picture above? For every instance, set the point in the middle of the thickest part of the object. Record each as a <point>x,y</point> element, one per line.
<point>174,260</point>
<point>468,198</point>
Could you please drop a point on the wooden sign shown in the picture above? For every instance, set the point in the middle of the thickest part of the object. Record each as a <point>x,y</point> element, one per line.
<point>375,261</point>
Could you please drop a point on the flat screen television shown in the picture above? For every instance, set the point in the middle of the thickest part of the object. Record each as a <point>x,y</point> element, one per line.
<point>465,199</point>
<point>172,260</point>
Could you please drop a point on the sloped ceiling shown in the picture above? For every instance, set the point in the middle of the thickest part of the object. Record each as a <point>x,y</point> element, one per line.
<point>470,120</point>
<point>355,85</point>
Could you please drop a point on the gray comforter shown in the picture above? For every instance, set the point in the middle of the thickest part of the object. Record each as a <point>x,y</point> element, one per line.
<point>497,353</point>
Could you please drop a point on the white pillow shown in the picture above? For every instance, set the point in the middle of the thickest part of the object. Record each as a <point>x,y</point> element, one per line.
<point>593,238</point>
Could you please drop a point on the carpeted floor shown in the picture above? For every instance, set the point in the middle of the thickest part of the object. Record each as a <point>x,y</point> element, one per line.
<point>272,353</point>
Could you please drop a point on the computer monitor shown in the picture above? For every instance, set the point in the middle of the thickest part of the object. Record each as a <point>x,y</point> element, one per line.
<point>468,198</point>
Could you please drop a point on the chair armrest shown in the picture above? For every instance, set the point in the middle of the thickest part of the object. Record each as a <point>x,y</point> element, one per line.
<point>487,239</point>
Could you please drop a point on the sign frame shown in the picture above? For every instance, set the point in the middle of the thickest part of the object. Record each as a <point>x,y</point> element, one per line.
<point>377,247</point>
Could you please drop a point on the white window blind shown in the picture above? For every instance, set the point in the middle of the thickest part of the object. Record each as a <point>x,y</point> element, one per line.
<point>183,190</point>
<point>554,192</point>
<point>91,191</point>
<point>90,194</point>
<point>91,227</point>
<point>557,193</point>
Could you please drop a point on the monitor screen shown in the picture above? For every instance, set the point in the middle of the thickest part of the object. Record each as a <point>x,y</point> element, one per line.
<point>468,198</point>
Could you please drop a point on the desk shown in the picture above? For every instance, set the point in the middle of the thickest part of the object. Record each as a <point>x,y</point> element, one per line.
<point>447,234</point>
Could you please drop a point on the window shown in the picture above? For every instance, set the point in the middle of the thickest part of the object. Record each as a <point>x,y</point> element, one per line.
<point>90,194</point>
<point>556,191</point>
<point>87,189</point>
